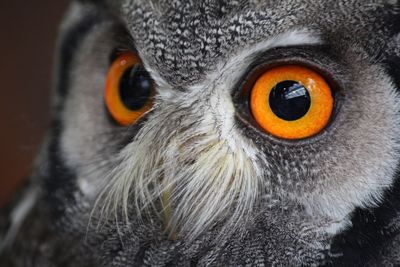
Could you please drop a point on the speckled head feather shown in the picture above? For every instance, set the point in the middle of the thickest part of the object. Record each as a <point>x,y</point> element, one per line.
<point>196,182</point>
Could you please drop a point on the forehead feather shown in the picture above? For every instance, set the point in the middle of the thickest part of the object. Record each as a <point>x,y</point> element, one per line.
<point>184,40</point>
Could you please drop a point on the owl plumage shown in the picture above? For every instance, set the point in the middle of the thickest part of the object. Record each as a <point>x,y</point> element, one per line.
<point>195,180</point>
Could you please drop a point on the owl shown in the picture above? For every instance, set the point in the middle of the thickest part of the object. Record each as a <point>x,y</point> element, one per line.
<point>217,133</point>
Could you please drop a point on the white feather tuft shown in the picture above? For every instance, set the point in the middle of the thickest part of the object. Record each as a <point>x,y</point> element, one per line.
<point>200,175</point>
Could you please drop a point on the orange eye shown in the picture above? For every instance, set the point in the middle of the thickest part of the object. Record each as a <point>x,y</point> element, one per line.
<point>291,102</point>
<point>129,89</point>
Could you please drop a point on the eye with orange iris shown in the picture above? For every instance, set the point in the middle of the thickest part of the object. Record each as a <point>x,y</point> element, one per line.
<point>129,89</point>
<point>291,102</point>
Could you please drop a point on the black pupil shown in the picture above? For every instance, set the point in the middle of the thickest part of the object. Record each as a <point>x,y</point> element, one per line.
<point>289,100</point>
<point>135,87</point>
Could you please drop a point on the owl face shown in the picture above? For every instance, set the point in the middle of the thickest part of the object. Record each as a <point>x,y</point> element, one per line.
<point>224,132</point>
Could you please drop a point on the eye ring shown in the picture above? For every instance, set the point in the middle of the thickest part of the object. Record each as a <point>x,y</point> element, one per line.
<point>129,89</point>
<point>315,117</point>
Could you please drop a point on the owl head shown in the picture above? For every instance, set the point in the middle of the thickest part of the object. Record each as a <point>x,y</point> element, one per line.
<point>226,133</point>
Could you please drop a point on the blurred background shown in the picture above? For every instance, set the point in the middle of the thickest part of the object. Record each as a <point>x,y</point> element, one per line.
<point>28,31</point>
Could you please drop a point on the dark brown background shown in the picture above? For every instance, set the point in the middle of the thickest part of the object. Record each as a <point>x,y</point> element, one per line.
<point>28,30</point>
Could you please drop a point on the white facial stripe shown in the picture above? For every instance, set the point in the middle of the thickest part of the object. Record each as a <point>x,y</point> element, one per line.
<point>164,89</point>
<point>244,57</point>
